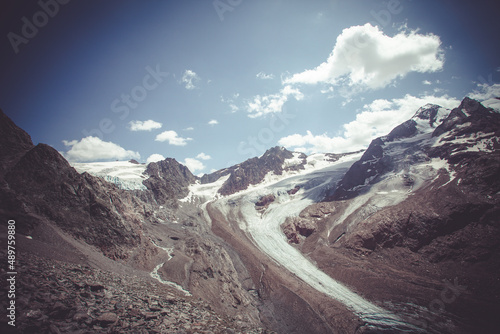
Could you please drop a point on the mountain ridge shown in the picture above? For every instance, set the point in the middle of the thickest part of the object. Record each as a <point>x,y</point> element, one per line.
<point>420,206</point>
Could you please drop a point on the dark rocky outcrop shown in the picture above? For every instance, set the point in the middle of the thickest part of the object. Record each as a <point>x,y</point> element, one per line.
<point>168,180</point>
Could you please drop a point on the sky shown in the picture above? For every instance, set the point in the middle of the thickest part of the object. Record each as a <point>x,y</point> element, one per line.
<point>213,83</point>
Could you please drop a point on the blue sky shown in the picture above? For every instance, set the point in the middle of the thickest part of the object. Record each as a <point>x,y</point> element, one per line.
<point>212,83</point>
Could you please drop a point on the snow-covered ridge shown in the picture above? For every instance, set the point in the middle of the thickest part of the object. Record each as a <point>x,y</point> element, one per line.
<point>314,162</point>
<point>125,174</point>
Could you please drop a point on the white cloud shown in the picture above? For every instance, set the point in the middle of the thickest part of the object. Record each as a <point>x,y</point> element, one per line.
<point>426,82</point>
<point>173,138</point>
<point>190,78</point>
<point>203,156</point>
<point>194,165</point>
<point>488,95</point>
<point>189,129</point>
<point>95,149</point>
<point>485,92</point>
<point>376,119</point>
<point>213,122</point>
<point>234,108</point>
<point>365,57</point>
<point>264,76</point>
<point>273,103</point>
<point>154,158</point>
<point>144,126</point>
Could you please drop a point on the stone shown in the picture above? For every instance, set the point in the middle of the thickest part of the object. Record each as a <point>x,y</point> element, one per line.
<point>107,318</point>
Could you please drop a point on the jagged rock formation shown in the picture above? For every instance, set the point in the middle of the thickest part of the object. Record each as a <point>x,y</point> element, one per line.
<point>168,180</point>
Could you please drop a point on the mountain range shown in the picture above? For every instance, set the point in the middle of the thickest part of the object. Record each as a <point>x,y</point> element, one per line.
<point>401,237</point>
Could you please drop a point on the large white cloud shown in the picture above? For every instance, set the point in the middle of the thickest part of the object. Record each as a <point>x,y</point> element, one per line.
<point>95,149</point>
<point>376,119</point>
<point>273,103</point>
<point>172,138</point>
<point>144,125</point>
<point>363,56</point>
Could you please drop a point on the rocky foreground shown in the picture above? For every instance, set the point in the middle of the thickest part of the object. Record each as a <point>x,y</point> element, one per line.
<point>59,297</point>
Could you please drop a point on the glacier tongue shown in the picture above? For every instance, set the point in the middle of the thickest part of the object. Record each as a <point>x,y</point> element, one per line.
<point>265,231</point>
<point>125,174</point>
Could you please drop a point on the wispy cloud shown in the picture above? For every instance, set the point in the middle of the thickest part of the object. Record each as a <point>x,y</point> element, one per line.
<point>172,138</point>
<point>488,95</point>
<point>95,149</point>
<point>190,78</point>
<point>234,108</point>
<point>264,76</point>
<point>213,122</point>
<point>364,56</point>
<point>144,126</point>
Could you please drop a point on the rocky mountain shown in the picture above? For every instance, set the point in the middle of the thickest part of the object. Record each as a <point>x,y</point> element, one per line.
<point>403,237</point>
<point>168,180</point>
<point>423,204</point>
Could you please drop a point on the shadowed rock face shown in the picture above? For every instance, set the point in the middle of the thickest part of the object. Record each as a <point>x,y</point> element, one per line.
<point>14,142</point>
<point>83,205</point>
